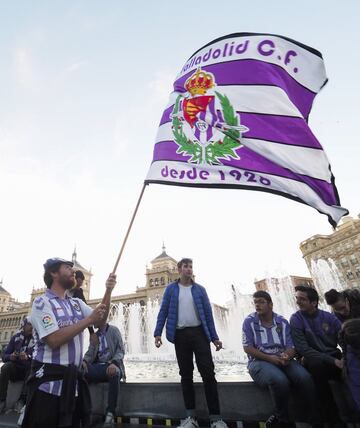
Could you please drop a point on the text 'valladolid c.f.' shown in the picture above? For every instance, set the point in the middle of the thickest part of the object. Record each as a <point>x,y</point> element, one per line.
<point>238,118</point>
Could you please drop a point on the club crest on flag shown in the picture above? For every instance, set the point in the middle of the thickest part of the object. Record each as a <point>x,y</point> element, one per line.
<point>200,129</point>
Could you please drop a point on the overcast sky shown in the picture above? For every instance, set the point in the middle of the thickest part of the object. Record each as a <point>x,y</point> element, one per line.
<point>83,86</point>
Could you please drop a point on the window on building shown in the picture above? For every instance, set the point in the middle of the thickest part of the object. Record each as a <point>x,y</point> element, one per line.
<point>5,335</point>
<point>349,275</point>
<point>156,281</point>
<point>151,283</point>
<point>162,281</point>
<point>344,263</point>
<point>354,260</point>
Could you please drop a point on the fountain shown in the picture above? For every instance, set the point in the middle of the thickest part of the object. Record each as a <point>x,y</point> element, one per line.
<point>137,324</point>
<point>326,276</point>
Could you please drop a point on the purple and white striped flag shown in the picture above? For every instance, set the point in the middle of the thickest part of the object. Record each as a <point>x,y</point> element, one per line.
<point>238,118</point>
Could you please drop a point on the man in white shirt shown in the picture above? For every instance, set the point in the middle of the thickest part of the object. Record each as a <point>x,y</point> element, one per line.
<point>190,326</point>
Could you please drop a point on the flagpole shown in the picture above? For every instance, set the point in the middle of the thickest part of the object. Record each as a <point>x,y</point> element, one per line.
<point>129,228</point>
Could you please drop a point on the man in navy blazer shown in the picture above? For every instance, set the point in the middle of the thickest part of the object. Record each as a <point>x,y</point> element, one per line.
<point>186,309</point>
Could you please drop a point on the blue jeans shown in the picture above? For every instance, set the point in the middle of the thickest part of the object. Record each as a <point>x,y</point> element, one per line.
<point>278,379</point>
<point>97,373</point>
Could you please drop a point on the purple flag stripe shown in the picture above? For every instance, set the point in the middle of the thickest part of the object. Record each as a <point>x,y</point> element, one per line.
<point>277,129</point>
<point>251,161</point>
<point>256,72</point>
<point>285,130</point>
<point>166,117</point>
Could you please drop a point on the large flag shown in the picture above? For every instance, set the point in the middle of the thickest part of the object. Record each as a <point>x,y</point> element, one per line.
<point>238,117</point>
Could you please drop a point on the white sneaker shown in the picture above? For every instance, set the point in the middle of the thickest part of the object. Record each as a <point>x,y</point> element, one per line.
<point>109,420</point>
<point>21,417</point>
<point>218,424</point>
<point>189,422</point>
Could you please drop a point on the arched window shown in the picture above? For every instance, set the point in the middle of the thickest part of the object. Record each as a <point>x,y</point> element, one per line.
<point>151,282</point>
<point>156,281</point>
<point>162,280</point>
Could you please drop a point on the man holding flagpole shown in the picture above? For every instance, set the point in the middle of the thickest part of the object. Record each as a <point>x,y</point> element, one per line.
<point>57,392</point>
<point>190,326</point>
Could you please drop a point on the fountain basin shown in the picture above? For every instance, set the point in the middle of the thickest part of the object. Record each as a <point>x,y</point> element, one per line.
<point>240,401</point>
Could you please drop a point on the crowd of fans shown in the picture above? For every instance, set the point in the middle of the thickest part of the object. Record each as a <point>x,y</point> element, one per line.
<point>311,349</point>
<point>307,351</point>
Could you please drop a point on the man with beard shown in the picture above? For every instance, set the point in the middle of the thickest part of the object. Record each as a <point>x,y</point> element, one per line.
<point>57,392</point>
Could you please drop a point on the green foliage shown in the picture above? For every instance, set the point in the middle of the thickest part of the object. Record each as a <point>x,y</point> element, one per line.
<point>186,146</point>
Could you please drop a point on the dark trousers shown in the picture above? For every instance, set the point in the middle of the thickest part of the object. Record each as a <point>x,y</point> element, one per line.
<point>322,372</point>
<point>278,379</point>
<point>97,373</point>
<point>188,342</point>
<point>353,376</point>
<point>12,371</point>
<point>44,412</point>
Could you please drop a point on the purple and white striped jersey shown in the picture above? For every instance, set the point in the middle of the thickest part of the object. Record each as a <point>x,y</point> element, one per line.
<point>50,313</point>
<point>271,340</point>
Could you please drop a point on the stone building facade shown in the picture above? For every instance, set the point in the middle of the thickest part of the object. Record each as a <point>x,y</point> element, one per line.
<point>4,298</point>
<point>270,283</point>
<point>342,247</point>
<point>159,274</point>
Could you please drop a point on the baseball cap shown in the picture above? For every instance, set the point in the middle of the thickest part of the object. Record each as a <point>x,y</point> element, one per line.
<point>56,261</point>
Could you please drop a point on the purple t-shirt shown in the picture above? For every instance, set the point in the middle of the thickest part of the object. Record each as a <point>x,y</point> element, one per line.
<point>271,340</point>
